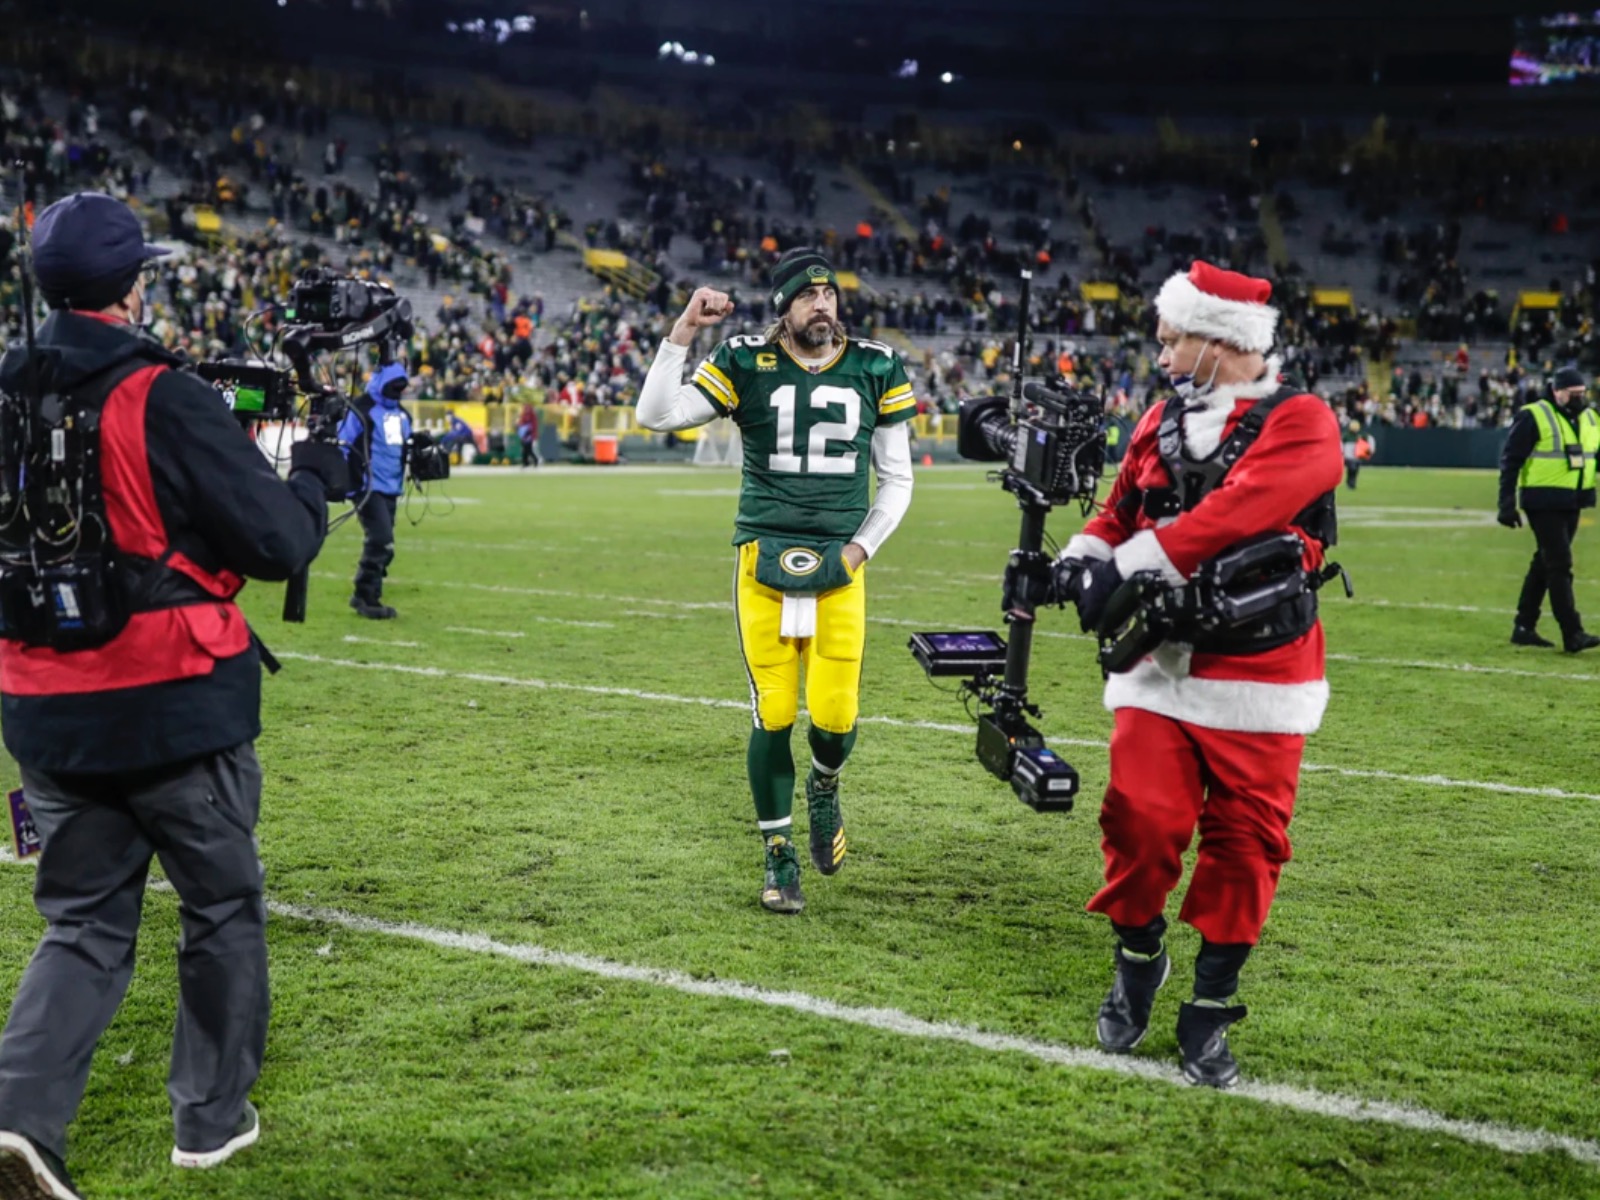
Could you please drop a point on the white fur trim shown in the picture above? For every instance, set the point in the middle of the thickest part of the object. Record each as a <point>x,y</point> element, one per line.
<point>1239,705</point>
<point>1143,552</point>
<point>1248,326</point>
<point>1203,424</point>
<point>1086,545</point>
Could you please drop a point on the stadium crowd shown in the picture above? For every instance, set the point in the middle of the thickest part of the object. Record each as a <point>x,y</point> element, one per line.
<point>239,148</point>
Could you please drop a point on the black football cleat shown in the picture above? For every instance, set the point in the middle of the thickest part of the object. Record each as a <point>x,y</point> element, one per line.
<point>1125,1015</point>
<point>1580,642</point>
<point>828,844</point>
<point>780,886</point>
<point>1527,635</point>
<point>1203,1042</point>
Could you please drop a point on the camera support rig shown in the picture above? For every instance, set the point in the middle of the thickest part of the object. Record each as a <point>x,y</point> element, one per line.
<point>1052,442</point>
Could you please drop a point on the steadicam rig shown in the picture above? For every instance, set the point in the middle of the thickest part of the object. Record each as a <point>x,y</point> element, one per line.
<point>1052,440</point>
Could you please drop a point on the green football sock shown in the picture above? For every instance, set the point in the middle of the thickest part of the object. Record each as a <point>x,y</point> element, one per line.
<point>771,766</point>
<point>829,750</point>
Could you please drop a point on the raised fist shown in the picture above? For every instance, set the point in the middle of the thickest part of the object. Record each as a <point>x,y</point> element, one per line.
<point>706,307</point>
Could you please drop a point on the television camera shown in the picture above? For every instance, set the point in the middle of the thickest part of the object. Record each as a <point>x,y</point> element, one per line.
<point>1051,438</point>
<point>62,580</point>
<point>326,313</point>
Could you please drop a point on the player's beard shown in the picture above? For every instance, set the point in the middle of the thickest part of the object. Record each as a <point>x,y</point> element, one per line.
<point>816,334</point>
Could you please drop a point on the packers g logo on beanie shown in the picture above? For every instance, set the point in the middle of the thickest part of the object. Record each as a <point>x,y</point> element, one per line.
<point>797,270</point>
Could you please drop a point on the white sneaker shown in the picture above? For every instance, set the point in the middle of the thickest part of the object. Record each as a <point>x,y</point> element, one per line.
<point>246,1133</point>
<point>30,1172</point>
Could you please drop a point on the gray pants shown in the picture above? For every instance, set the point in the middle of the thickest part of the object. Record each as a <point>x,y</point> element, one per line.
<point>99,834</point>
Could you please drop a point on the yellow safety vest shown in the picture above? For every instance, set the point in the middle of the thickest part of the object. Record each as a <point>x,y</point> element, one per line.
<point>1562,457</point>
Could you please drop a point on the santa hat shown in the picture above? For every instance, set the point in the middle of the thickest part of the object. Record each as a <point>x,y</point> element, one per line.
<point>1219,304</point>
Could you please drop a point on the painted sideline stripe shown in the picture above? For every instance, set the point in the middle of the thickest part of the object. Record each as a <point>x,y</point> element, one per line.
<point>502,633</point>
<point>1507,1138</point>
<point>938,726</point>
<point>353,640</point>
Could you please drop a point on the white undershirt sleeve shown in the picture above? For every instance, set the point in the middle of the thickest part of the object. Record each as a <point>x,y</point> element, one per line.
<point>891,459</point>
<point>665,401</point>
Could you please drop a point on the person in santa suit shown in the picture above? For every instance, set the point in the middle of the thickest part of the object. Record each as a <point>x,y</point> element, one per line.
<point>1207,735</point>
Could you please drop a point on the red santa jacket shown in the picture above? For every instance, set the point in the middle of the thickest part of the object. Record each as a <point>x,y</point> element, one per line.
<point>1296,459</point>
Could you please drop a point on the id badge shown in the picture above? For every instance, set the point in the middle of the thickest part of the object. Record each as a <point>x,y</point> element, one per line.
<point>25,838</point>
<point>394,429</point>
<point>1574,458</point>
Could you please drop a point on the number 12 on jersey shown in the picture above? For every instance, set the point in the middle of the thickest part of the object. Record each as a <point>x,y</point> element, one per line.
<point>816,459</point>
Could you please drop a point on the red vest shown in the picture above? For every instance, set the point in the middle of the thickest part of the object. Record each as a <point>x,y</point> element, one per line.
<point>158,645</point>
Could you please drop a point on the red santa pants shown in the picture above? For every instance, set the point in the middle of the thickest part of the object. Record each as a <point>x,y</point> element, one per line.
<point>1168,776</point>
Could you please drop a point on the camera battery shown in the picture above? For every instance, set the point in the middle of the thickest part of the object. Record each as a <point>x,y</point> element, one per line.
<point>1043,780</point>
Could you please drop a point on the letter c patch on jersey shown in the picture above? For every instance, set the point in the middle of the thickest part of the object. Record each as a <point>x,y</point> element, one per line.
<point>798,560</point>
<point>766,362</point>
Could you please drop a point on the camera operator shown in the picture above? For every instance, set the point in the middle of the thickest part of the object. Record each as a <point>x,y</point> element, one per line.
<point>1550,452</point>
<point>1209,734</point>
<point>374,434</point>
<point>143,745</point>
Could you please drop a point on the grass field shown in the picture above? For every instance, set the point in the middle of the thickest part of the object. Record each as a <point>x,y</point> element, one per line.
<point>547,750</point>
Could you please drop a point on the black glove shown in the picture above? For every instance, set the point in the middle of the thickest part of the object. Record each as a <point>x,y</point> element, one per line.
<point>325,461</point>
<point>1069,578</point>
<point>1029,583</point>
<point>1509,517</point>
<point>1099,580</point>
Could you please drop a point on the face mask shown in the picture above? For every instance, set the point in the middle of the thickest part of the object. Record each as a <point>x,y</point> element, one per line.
<point>1187,386</point>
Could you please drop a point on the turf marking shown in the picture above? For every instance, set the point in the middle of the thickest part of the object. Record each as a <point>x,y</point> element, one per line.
<point>1507,1138</point>
<point>1468,668</point>
<point>507,590</point>
<point>353,640</point>
<point>500,633</point>
<point>938,726</point>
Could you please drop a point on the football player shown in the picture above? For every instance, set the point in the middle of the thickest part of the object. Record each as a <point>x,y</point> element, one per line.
<point>813,406</point>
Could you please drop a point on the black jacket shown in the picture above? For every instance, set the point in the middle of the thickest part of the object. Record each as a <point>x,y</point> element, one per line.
<point>1520,441</point>
<point>225,508</point>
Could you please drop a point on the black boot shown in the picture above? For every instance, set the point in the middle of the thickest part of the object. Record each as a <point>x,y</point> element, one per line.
<point>1203,1041</point>
<point>372,609</point>
<point>1527,635</point>
<point>1579,641</point>
<point>1125,1015</point>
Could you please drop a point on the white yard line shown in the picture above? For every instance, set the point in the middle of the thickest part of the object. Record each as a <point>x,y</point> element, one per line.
<point>939,726</point>
<point>1508,1138</point>
<point>1467,668</point>
<point>353,640</point>
<point>503,589</point>
<point>1052,634</point>
<point>499,633</point>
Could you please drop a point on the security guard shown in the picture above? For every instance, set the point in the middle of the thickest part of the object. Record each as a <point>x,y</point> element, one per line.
<point>1550,453</point>
<point>142,746</point>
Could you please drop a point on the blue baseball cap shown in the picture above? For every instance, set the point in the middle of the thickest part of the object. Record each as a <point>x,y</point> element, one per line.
<point>86,247</point>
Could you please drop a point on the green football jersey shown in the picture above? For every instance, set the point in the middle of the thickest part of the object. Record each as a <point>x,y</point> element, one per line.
<point>807,433</point>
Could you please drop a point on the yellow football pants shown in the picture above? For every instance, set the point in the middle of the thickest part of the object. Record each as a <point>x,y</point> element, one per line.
<point>832,658</point>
